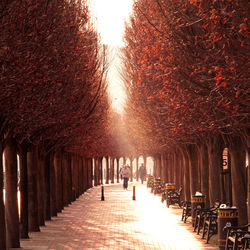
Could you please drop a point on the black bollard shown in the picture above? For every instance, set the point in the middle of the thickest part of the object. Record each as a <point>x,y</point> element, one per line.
<point>102,196</point>
<point>133,193</point>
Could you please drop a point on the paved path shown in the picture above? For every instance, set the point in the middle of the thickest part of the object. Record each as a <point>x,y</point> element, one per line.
<point>117,223</point>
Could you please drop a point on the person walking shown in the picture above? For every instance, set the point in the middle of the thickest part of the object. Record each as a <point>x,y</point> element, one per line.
<point>125,171</point>
<point>120,172</point>
<point>142,173</point>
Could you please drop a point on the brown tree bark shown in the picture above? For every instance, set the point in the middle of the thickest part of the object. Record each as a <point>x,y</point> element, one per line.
<point>69,174</point>
<point>177,169</point>
<point>117,170</point>
<point>76,175</point>
<point>157,166</point>
<point>90,172</point>
<point>58,183</point>
<point>107,169</point>
<point>131,169</point>
<point>171,167</point>
<point>182,171</point>
<point>85,179</point>
<point>203,155</point>
<point>137,168</point>
<point>238,170</point>
<point>112,170</point>
<point>65,177</point>
<point>2,209</point>
<point>145,161</point>
<point>215,149</point>
<point>47,181</point>
<point>11,204</point>
<point>72,166</point>
<point>41,192</point>
<point>248,179</point>
<point>154,167</point>
<point>81,175</point>
<point>193,168</point>
<point>163,168</point>
<point>32,190</point>
<point>96,171</point>
<point>186,166</point>
<point>24,226</point>
<point>166,168</point>
<point>52,186</point>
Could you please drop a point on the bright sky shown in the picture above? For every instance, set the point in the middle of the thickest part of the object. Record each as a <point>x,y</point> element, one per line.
<point>109,17</point>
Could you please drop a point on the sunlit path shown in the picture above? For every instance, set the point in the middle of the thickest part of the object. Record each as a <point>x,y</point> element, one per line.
<point>116,223</point>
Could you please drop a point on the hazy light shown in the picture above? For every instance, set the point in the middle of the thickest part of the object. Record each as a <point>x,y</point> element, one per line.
<point>110,16</point>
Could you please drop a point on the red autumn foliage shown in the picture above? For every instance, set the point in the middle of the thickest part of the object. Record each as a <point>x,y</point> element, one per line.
<point>51,78</point>
<point>186,71</point>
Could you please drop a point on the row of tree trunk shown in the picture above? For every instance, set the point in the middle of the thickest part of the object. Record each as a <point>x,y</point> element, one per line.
<point>47,184</point>
<point>198,167</point>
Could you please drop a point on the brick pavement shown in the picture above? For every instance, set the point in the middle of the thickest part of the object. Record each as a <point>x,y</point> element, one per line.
<point>116,223</point>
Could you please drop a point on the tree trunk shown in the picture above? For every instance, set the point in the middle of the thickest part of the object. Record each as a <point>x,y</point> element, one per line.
<point>90,172</point>
<point>107,169</point>
<point>238,169</point>
<point>145,161</point>
<point>66,192</point>
<point>170,168</point>
<point>137,168</point>
<point>47,187</point>
<point>177,169</point>
<point>32,189</point>
<point>117,170</point>
<point>158,166</point>
<point>112,169</point>
<point>163,168</point>
<point>76,171</point>
<point>41,189</point>
<point>69,174</point>
<point>85,179</point>
<point>52,186</point>
<point>203,155</point>
<point>131,169</point>
<point>193,168</point>
<point>2,209</point>
<point>11,203</point>
<point>81,175</point>
<point>58,183</point>
<point>186,175</point>
<point>24,226</point>
<point>96,172</point>
<point>155,166</point>
<point>182,171</point>
<point>215,149</point>
<point>248,180</point>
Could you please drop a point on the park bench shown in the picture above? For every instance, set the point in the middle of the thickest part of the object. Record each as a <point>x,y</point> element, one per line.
<point>158,189</point>
<point>150,181</point>
<point>167,188</point>
<point>237,237</point>
<point>157,186</point>
<point>186,210</point>
<point>200,215</point>
<point>174,197</point>
<point>210,224</point>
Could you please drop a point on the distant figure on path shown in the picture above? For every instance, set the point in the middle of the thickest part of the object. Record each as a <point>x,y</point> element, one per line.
<point>142,173</point>
<point>120,172</point>
<point>125,171</point>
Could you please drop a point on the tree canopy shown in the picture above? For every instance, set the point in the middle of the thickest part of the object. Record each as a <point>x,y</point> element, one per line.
<point>185,69</point>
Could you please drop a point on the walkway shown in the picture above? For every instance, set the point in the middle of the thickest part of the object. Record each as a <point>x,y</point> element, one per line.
<point>117,223</point>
